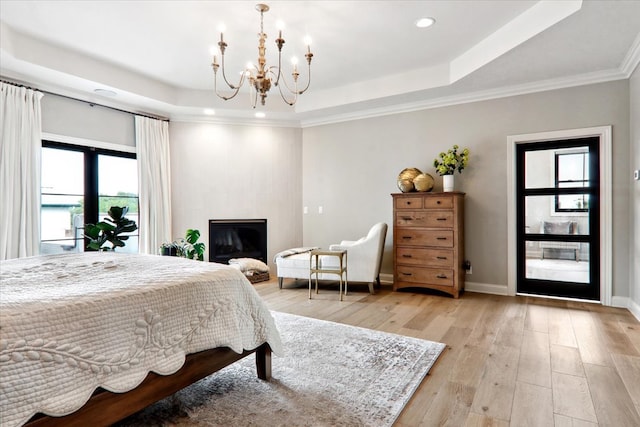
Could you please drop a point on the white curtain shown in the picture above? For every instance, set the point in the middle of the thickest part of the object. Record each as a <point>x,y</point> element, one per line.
<point>154,182</point>
<point>20,153</point>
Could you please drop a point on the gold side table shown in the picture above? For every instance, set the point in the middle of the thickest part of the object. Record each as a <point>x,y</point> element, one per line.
<point>314,268</point>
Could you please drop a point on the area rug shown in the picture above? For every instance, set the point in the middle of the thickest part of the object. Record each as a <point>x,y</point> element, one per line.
<point>331,375</point>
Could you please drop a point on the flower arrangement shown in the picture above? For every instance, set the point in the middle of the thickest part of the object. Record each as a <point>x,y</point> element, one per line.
<point>449,162</point>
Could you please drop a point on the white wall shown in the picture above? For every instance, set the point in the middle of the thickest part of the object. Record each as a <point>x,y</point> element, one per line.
<point>350,168</point>
<point>635,193</point>
<point>237,172</point>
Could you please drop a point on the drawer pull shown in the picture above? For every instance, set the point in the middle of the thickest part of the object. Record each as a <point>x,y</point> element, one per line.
<point>408,203</point>
<point>407,218</point>
<point>441,238</point>
<point>441,276</point>
<point>437,202</point>
<point>406,256</point>
<point>441,257</point>
<point>442,219</point>
<point>406,274</point>
<point>406,237</point>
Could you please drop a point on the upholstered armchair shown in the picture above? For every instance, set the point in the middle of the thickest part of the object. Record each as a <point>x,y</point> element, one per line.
<point>364,258</point>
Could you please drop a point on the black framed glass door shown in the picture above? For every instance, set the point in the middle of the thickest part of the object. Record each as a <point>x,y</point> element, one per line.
<point>557,218</point>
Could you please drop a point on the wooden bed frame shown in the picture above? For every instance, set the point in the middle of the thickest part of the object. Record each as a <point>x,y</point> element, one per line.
<point>105,408</point>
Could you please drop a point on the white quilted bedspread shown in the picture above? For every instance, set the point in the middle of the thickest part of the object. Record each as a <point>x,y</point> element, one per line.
<point>72,323</point>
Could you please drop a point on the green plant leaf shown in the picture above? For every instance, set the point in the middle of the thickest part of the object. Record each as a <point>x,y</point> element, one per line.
<point>192,235</point>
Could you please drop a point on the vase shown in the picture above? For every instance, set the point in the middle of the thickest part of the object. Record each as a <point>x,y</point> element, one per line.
<point>447,182</point>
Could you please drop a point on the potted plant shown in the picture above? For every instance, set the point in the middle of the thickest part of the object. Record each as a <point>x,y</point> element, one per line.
<point>110,230</point>
<point>448,163</point>
<point>169,249</point>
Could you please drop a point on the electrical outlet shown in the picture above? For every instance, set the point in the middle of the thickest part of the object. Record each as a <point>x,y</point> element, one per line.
<point>467,266</point>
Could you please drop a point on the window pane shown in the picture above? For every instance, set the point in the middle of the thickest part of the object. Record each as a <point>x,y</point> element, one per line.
<point>573,202</point>
<point>571,167</point>
<point>564,261</point>
<point>540,217</point>
<point>118,186</point>
<point>117,176</point>
<point>62,171</point>
<point>62,201</point>
<point>539,171</point>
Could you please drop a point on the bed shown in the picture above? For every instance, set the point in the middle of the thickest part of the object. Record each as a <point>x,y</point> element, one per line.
<point>105,334</point>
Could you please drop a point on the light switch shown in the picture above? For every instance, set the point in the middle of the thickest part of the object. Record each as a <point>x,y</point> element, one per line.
<point>305,210</point>
<point>320,210</point>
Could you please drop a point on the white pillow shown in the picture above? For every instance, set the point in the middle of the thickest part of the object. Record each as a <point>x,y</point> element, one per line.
<point>250,264</point>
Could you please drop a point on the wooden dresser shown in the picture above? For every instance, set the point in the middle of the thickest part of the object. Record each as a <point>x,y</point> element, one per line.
<point>428,241</point>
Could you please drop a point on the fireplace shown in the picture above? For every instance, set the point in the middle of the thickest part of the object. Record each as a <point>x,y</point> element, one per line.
<point>237,238</point>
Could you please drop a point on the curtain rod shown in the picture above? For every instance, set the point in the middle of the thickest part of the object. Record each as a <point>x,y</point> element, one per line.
<point>93,104</point>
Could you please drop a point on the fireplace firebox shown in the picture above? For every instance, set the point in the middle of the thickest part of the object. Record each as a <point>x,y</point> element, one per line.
<point>237,238</point>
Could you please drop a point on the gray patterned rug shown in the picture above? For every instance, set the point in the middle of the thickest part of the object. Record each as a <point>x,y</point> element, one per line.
<point>331,375</point>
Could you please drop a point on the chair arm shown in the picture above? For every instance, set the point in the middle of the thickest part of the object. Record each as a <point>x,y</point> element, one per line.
<point>340,247</point>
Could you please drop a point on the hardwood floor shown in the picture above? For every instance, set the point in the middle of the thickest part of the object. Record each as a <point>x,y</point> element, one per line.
<point>509,361</point>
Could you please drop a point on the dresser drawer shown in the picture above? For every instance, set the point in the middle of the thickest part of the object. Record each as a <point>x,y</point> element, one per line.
<point>412,237</point>
<point>424,257</point>
<point>434,219</point>
<point>438,203</point>
<point>423,275</point>
<point>409,203</point>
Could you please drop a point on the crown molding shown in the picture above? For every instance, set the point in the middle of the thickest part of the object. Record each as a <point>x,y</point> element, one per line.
<point>632,58</point>
<point>236,121</point>
<point>486,95</point>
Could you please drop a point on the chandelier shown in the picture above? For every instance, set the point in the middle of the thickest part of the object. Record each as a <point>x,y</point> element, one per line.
<point>260,77</point>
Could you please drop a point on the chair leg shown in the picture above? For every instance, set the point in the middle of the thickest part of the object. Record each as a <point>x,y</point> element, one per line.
<point>371,288</point>
<point>378,281</point>
<point>280,279</point>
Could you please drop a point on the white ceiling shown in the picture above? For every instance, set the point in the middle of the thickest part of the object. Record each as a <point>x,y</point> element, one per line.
<point>369,58</point>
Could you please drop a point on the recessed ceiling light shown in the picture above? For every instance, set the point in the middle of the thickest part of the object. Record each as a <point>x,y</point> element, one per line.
<point>104,92</point>
<point>425,22</point>
<point>209,111</point>
<point>260,115</point>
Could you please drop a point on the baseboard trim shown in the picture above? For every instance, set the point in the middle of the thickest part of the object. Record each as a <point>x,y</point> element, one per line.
<point>485,288</point>
<point>482,288</point>
<point>628,303</point>
<point>386,278</point>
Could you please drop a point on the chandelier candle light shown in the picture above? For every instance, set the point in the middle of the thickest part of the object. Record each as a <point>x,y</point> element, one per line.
<point>261,76</point>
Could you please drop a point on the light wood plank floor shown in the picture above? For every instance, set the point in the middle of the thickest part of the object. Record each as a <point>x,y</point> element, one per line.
<point>509,361</point>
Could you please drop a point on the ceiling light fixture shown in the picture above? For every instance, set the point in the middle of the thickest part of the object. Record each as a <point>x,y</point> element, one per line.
<point>104,92</point>
<point>425,22</point>
<point>261,76</point>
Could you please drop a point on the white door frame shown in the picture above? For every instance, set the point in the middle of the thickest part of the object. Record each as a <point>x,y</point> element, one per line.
<point>604,151</point>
